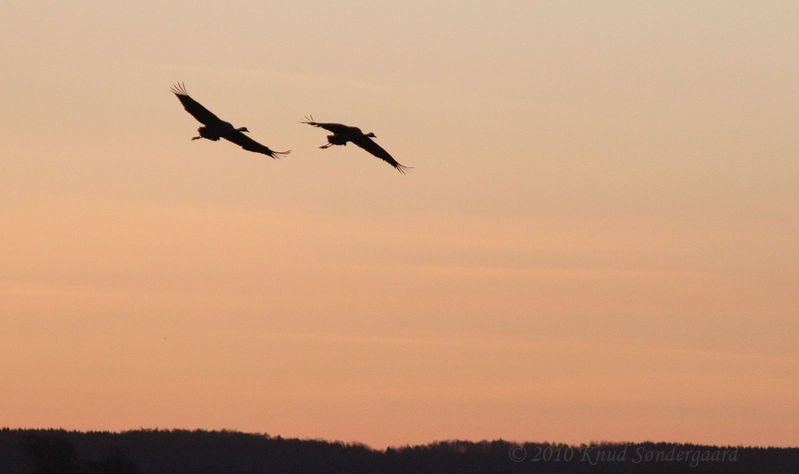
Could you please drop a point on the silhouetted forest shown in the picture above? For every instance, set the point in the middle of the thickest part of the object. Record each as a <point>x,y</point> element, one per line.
<point>200,452</point>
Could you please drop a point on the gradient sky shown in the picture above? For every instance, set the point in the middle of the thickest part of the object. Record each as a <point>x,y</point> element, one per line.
<point>598,240</point>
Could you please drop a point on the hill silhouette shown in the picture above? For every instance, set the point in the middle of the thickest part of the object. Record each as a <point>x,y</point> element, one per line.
<point>201,452</point>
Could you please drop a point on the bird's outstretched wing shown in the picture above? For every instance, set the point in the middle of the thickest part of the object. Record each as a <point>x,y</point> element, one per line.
<point>193,107</point>
<point>239,138</point>
<point>369,145</point>
<point>331,127</point>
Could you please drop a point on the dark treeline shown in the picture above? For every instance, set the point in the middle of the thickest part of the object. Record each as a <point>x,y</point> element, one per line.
<point>201,452</point>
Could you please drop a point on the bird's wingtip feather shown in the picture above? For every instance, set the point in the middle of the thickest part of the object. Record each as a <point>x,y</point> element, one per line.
<point>403,169</point>
<point>178,88</point>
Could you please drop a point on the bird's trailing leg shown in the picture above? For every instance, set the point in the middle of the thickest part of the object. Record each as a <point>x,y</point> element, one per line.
<point>325,146</point>
<point>196,138</point>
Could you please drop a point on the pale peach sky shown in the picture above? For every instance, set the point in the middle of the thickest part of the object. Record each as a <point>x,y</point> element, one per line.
<point>598,240</point>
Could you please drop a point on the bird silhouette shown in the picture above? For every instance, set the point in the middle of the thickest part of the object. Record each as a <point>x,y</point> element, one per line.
<point>215,128</point>
<point>344,133</point>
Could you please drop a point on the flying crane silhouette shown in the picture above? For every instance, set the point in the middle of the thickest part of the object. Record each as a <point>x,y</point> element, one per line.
<point>344,133</point>
<point>215,128</point>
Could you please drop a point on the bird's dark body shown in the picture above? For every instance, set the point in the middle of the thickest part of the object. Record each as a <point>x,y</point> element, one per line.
<point>208,133</point>
<point>215,128</point>
<point>337,140</point>
<point>345,133</point>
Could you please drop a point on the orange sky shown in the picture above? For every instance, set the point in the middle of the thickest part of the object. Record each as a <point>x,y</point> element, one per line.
<point>598,240</point>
